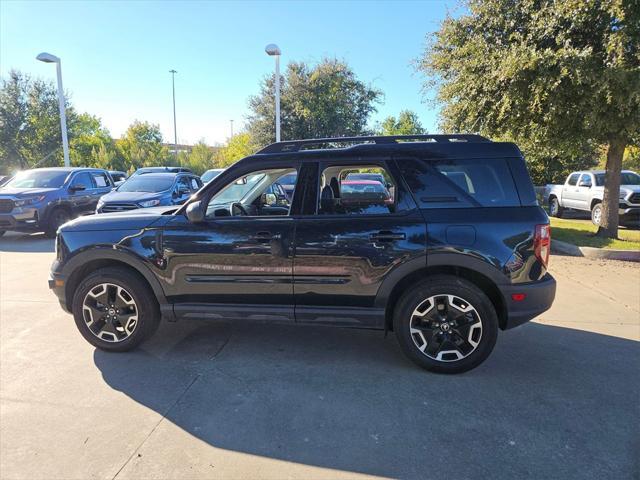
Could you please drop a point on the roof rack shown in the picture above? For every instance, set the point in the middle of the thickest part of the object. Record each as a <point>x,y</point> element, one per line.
<point>296,145</point>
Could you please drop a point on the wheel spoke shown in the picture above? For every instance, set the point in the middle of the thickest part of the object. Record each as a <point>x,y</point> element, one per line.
<point>446,327</point>
<point>110,312</point>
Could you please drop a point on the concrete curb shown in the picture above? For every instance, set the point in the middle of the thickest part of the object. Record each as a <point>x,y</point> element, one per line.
<point>565,248</point>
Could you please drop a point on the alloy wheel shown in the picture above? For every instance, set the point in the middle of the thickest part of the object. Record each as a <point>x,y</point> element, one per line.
<point>110,312</point>
<point>596,215</point>
<point>446,328</point>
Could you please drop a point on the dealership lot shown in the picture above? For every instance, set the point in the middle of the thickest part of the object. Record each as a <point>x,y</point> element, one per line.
<point>558,398</point>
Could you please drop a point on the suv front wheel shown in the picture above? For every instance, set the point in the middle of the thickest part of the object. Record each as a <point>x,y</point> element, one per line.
<point>446,324</point>
<point>115,310</point>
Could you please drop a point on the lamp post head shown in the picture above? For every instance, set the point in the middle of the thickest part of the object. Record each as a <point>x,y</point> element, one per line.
<point>47,58</point>
<point>272,49</point>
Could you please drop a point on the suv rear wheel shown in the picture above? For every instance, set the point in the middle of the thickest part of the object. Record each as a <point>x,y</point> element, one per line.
<point>115,310</point>
<point>446,324</point>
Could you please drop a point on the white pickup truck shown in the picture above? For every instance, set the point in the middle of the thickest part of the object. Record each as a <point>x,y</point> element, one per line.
<point>584,191</point>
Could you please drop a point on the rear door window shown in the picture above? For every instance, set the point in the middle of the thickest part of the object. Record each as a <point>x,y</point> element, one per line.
<point>100,180</point>
<point>460,183</point>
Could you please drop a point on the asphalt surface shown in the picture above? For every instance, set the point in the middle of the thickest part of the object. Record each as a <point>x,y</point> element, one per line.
<point>558,398</point>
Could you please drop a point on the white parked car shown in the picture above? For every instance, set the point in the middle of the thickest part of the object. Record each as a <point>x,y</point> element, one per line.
<point>584,190</point>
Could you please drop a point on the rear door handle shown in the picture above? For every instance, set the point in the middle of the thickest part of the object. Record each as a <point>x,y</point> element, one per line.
<point>386,236</point>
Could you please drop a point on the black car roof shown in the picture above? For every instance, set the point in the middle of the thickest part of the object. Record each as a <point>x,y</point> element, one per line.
<point>439,146</point>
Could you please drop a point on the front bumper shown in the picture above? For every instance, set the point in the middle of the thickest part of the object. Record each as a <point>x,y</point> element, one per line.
<point>21,219</point>
<point>57,283</point>
<point>538,298</point>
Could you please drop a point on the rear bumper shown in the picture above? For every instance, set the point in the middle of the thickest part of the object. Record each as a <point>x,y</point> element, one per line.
<point>538,298</point>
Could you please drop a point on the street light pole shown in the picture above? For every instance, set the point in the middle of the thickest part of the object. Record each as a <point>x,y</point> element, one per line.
<point>48,58</point>
<point>175,129</point>
<point>274,51</point>
<point>231,128</point>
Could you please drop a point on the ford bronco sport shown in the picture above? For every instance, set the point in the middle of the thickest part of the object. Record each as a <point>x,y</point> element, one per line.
<point>454,250</point>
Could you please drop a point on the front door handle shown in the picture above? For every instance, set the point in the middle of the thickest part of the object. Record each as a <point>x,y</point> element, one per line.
<point>386,236</point>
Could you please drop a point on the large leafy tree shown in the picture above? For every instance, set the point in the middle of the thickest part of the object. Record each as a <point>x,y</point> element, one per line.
<point>199,159</point>
<point>29,122</point>
<point>407,123</point>
<point>90,144</point>
<point>141,146</point>
<point>564,75</point>
<point>323,100</point>
<point>240,145</point>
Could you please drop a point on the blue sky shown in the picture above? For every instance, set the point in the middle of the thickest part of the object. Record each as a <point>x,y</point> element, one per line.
<point>116,55</point>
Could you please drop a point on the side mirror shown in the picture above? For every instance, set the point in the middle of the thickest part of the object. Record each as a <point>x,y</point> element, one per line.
<point>76,188</point>
<point>195,212</point>
<point>268,199</point>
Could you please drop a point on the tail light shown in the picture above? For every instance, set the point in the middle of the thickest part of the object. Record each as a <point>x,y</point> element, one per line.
<point>542,243</point>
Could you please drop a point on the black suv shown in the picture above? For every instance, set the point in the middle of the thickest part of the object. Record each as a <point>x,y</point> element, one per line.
<point>456,250</point>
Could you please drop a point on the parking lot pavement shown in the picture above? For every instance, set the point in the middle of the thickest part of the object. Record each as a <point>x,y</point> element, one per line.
<point>557,399</point>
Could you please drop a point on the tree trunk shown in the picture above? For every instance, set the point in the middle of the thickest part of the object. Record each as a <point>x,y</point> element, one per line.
<point>609,225</point>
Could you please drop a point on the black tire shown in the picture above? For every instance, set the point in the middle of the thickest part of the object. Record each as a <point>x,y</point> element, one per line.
<point>444,285</point>
<point>555,210</point>
<point>58,216</point>
<point>146,307</point>
<point>596,214</point>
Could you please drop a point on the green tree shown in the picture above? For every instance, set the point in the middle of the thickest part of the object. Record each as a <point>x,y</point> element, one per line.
<point>29,122</point>
<point>141,146</point>
<point>324,100</point>
<point>407,123</point>
<point>561,74</point>
<point>240,145</point>
<point>199,159</point>
<point>90,144</point>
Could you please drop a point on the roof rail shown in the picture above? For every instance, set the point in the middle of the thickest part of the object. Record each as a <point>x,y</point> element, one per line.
<point>296,145</point>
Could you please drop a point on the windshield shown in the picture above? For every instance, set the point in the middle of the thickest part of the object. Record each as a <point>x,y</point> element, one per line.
<point>146,183</point>
<point>39,179</point>
<point>210,175</point>
<point>626,178</point>
<point>237,190</point>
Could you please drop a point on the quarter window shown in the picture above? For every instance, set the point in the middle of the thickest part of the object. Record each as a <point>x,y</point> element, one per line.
<point>460,183</point>
<point>356,190</point>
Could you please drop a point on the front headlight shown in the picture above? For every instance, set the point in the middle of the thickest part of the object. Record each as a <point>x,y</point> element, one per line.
<point>622,195</point>
<point>23,202</point>
<point>100,204</point>
<point>149,203</point>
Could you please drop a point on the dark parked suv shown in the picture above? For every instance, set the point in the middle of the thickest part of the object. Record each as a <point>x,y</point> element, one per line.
<point>457,251</point>
<point>42,199</point>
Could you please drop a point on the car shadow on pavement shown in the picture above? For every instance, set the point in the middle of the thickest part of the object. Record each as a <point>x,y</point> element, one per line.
<point>549,402</point>
<point>22,242</point>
